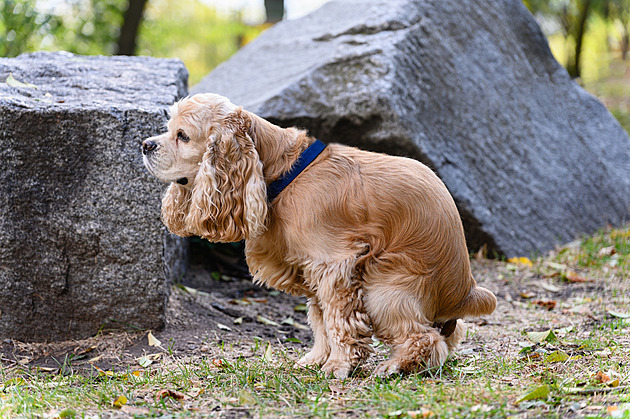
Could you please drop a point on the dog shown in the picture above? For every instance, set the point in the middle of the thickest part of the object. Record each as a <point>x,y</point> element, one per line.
<point>375,242</point>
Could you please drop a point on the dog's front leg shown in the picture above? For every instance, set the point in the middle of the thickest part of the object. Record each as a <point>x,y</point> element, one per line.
<point>318,355</point>
<point>347,326</point>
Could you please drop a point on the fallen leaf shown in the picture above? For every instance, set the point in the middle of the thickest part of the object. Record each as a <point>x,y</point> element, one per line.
<point>241,302</point>
<point>619,314</point>
<point>259,300</point>
<point>538,337</point>
<point>153,341</point>
<point>548,304</point>
<point>164,393</point>
<point>541,392</point>
<point>246,397</point>
<point>224,327</point>
<point>601,377</point>
<point>575,278</point>
<point>527,294</point>
<point>103,372</point>
<point>120,401</point>
<point>17,381</point>
<point>11,81</point>
<point>549,287</point>
<point>606,251</point>
<point>144,361</point>
<point>238,320</point>
<point>289,321</point>
<point>268,353</point>
<point>300,308</point>
<point>266,321</point>
<point>520,261</point>
<point>556,356</point>
<point>557,266</point>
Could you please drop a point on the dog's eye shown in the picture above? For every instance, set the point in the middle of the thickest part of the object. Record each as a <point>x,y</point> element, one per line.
<point>182,136</point>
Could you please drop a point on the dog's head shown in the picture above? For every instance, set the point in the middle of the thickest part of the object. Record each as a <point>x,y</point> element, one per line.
<point>217,189</point>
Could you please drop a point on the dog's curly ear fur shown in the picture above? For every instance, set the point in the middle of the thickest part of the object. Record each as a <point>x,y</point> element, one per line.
<point>228,202</point>
<point>175,207</point>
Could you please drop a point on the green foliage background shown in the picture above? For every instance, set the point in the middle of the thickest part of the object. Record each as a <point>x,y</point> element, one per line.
<point>203,38</point>
<point>186,29</point>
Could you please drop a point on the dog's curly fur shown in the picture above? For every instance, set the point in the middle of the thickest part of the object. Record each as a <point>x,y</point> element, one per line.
<point>375,242</point>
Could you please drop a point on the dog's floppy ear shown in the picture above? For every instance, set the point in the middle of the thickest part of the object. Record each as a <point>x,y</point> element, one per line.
<point>229,196</point>
<point>175,206</point>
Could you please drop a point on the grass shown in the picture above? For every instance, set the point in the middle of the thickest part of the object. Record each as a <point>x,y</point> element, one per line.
<point>502,369</point>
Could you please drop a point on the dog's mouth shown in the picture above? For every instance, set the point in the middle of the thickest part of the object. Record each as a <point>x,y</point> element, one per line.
<point>183,181</point>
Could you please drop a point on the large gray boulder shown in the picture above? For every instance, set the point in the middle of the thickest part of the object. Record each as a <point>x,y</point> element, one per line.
<point>470,88</point>
<point>82,247</point>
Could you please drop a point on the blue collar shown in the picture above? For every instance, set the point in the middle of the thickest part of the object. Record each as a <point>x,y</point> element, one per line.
<point>306,158</point>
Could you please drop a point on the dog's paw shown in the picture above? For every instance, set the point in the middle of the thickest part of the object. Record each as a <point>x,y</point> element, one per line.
<point>312,358</point>
<point>387,368</point>
<point>340,369</point>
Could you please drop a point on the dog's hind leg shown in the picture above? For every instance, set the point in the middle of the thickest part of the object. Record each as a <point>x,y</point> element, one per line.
<point>399,322</point>
<point>347,326</point>
<point>320,351</point>
<point>423,350</point>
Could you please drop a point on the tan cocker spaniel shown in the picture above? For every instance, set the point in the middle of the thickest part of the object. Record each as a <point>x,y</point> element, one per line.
<point>374,242</point>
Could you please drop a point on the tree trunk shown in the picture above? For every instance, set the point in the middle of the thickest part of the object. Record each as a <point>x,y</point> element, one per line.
<point>129,29</point>
<point>625,43</point>
<point>574,68</point>
<point>274,10</point>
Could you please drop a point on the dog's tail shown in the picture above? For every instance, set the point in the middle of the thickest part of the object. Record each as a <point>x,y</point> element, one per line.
<point>478,302</point>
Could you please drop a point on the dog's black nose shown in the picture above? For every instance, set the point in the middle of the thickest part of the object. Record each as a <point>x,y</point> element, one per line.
<point>148,145</point>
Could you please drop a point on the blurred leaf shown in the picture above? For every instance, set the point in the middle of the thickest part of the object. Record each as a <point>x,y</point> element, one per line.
<point>575,278</point>
<point>266,321</point>
<point>245,397</point>
<point>268,356</point>
<point>619,315</point>
<point>238,320</point>
<point>17,381</point>
<point>548,287</point>
<point>144,361</point>
<point>164,393</point>
<point>607,251</point>
<point>539,337</point>
<point>601,377</point>
<point>541,392</point>
<point>520,261</point>
<point>224,327</point>
<point>120,401</point>
<point>548,304</point>
<point>556,356</point>
<point>14,83</point>
<point>153,341</point>
<point>295,340</point>
<point>300,308</point>
<point>289,321</point>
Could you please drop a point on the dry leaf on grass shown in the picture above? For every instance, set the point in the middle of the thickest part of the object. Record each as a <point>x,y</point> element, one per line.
<point>548,304</point>
<point>164,393</point>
